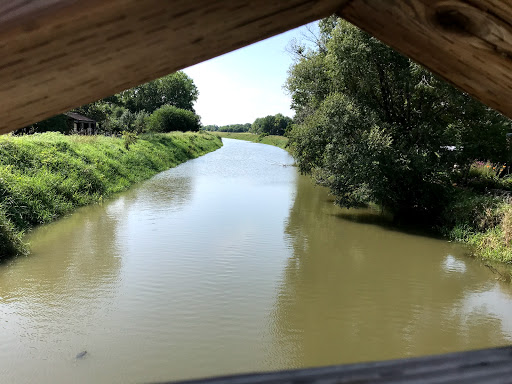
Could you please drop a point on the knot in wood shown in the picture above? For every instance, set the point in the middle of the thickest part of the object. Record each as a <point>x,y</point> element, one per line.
<point>457,18</point>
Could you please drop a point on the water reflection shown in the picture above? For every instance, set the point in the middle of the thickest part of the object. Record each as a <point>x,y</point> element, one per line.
<point>357,292</point>
<point>452,264</point>
<point>164,193</point>
<point>232,263</point>
<point>51,300</point>
<point>59,300</point>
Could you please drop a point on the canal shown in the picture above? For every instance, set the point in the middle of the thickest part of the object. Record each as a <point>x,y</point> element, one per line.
<point>230,263</point>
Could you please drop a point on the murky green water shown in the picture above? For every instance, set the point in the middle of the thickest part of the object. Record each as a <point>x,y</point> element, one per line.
<point>231,263</point>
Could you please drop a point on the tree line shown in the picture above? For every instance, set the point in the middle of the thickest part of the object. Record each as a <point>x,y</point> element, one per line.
<point>228,128</point>
<point>161,105</point>
<point>374,126</point>
<point>269,125</point>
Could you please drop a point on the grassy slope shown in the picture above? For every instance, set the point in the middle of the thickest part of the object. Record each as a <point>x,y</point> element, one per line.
<point>44,176</point>
<point>483,221</point>
<point>278,141</point>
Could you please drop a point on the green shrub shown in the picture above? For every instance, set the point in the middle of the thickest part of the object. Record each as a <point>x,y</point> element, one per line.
<point>482,221</point>
<point>129,138</point>
<point>474,212</point>
<point>486,170</point>
<point>10,239</point>
<point>169,118</point>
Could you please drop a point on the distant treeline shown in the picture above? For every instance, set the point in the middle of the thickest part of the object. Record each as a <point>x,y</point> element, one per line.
<point>162,105</point>
<point>268,125</point>
<point>229,128</point>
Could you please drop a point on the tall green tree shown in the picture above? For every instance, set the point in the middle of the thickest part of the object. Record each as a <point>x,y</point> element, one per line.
<point>271,125</point>
<point>176,89</point>
<point>375,126</point>
<point>58,123</point>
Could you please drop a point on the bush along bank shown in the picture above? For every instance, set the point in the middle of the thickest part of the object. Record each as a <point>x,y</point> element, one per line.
<point>483,221</point>
<point>44,176</point>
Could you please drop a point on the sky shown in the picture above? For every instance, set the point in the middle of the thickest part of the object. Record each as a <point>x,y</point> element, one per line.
<point>242,85</point>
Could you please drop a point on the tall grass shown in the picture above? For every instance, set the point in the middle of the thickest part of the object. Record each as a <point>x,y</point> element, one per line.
<point>482,221</point>
<point>44,176</point>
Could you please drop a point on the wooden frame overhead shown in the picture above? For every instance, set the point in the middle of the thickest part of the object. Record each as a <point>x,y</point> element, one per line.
<point>59,54</point>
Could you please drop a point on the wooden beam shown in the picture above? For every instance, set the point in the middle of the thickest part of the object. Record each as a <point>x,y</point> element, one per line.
<point>468,43</point>
<point>483,366</point>
<point>59,54</point>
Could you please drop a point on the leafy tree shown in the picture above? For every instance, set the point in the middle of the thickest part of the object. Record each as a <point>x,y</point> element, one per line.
<point>228,128</point>
<point>176,89</point>
<point>375,126</point>
<point>128,110</point>
<point>98,111</point>
<point>57,123</point>
<point>271,125</point>
<point>169,118</point>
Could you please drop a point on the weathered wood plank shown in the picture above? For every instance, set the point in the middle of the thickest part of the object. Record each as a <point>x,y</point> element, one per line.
<point>59,54</point>
<point>469,43</point>
<point>482,366</point>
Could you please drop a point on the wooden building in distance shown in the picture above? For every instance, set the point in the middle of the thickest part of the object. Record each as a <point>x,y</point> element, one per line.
<point>80,124</point>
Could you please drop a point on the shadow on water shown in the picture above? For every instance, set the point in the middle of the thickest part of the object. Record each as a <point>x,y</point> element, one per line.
<point>229,263</point>
<point>369,216</point>
<point>72,257</point>
<point>376,216</point>
<point>358,292</point>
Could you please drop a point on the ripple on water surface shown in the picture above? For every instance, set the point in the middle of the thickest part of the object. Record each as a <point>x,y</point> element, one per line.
<point>233,262</point>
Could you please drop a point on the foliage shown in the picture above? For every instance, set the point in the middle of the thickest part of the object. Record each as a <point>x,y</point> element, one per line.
<point>228,128</point>
<point>44,176</point>
<point>346,151</point>
<point>471,213</point>
<point>129,138</point>
<point>484,222</point>
<point>58,123</point>
<point>271,125</point>
<point>128,110</point>
<point>98,111</point>
<point>11,242</point>
<point>122,120</point>
<point>276,141</point>
<point>486,170</point>
<point>376,127</point>
<point>176,89</point>
<point>169,118</point>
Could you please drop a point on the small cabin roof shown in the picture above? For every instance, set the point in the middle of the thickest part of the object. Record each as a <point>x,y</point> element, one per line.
<point>79,117</point>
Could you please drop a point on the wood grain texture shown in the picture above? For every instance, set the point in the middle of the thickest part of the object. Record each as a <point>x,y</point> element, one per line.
<point>484,366</point>
<point>59,54</point>
<point>468,43</point>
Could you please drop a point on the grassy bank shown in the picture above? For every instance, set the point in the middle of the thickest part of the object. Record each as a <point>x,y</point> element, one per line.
<point>45,176</point>
<point>277,141</point>
<point>483,221</point>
